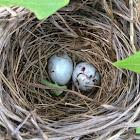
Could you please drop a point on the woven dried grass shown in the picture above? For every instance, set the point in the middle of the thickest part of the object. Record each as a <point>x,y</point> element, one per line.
<point>97,32</point>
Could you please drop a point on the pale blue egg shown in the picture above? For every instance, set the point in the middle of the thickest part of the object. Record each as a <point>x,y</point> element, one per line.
<point>60,68</point>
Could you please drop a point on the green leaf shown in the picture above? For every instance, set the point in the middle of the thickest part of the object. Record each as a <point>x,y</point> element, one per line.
<point>138,130</point>
<point>55,92</point>
<point>131,63</point>
<point>42,8</point>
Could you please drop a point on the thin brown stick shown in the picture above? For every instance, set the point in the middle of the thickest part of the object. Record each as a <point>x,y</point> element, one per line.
<point>112,22</point>
<point>132,26</point>
<point>39,129</point>
<point>60,89</point>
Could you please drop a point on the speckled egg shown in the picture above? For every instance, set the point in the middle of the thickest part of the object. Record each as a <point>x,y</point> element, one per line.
<point>86,77</point>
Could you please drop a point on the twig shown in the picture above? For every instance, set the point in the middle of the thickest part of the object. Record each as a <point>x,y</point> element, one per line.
<point>39,129</point>
<point>112,21</point>
<point>0,88</point>
<point>9,125</point>
<point>53,21</point>
<point>60,89</point>
<point>20,125</point>
<point>16,94</point>
<point>12,12</point>
<point>132,26</point>
<point>74,33</point>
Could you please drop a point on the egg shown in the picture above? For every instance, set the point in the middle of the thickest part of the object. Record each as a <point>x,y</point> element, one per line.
<point>60,68</point>
<point>86,77</point>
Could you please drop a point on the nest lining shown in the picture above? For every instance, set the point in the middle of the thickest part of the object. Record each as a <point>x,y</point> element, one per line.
<point>85,36</point>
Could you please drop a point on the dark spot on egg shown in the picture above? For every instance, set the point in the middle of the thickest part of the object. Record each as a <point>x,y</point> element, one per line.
<point>94,80</point>
<point>83,69</point>
<point>79,74</point>
<point>52,71</point>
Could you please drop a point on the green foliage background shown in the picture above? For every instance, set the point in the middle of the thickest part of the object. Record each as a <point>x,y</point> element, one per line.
<point>42,8</point>
<point>131,63</point>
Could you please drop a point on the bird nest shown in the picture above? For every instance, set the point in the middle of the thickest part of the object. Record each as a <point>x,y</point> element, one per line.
<point>95,32</point>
